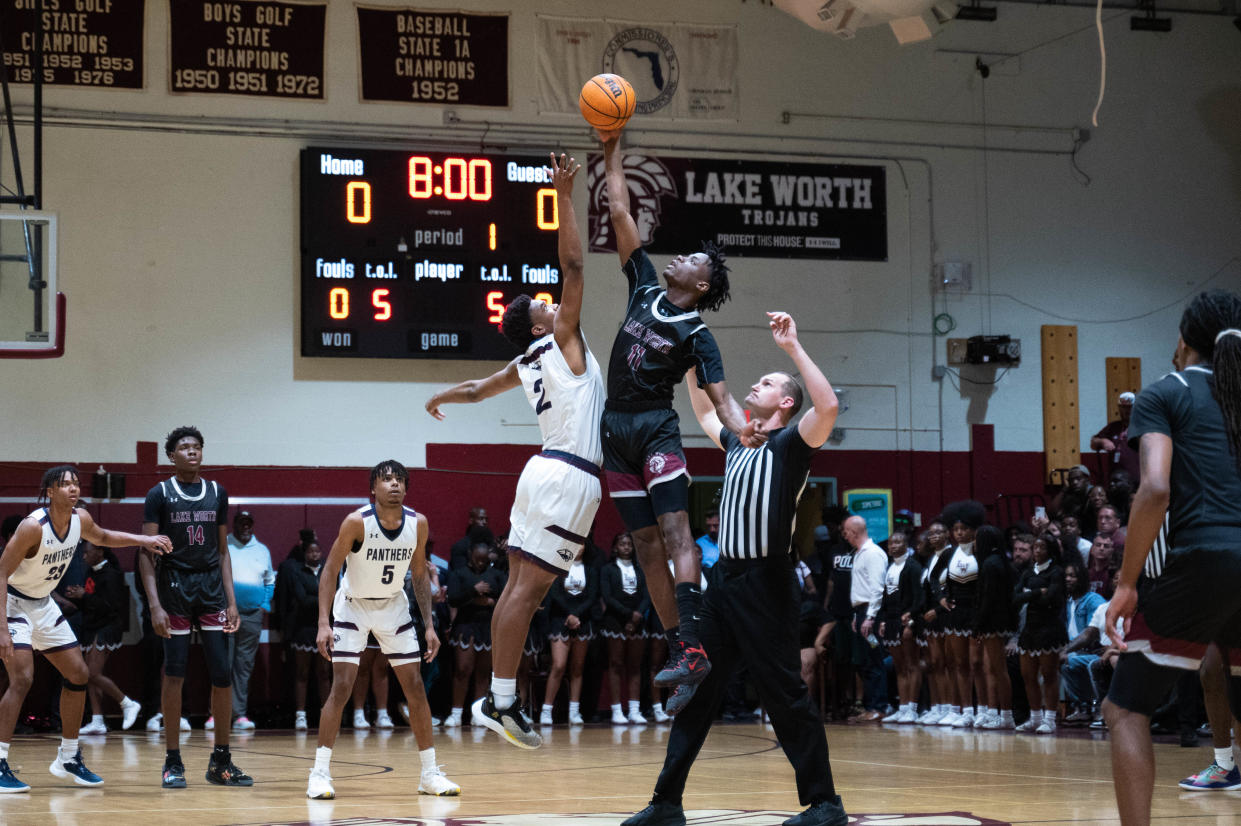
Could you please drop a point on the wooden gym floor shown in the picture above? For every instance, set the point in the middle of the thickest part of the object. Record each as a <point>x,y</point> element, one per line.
<point>741,778</point>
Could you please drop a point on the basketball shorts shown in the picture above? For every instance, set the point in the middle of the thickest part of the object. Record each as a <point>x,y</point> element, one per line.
<point>387,618</point>
<point>557,497</point>
<point>37,624</point>
<point>192,598</point>
<point>642,453</point>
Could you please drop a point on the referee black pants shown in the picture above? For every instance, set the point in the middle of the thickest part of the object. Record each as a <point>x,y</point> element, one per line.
<point>750,614</point>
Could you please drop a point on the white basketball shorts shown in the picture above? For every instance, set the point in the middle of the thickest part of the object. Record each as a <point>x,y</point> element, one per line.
<point>552,512</point>
<point>388,619</point>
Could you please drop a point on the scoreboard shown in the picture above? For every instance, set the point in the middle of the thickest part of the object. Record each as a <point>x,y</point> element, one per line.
<point>413,254</point>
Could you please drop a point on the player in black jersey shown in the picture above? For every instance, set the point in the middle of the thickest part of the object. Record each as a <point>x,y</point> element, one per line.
<point>1180,593</point>
<point>192,586</point>
<point>661,338</point>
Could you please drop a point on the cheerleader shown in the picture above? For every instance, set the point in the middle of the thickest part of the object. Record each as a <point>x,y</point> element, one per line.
<point>959,596</point>
<point>994,622</point>
<point>473,591</point>
<point>930,625</point>
<point>625,602</point>
<point>1041,590</point>
<point>573,598</point>
<point>902,601</point>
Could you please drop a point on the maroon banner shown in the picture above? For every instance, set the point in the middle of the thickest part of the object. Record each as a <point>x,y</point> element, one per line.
<point>243,47</point>
<point>421,56</point>
<point>87,43</point>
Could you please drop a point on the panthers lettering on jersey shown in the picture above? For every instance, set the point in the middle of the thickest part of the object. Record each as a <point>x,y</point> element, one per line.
<point>568,406</point>
<point>190,515</point>
<point>38,576</point>
<point>376,566</point>
<point>657,342</point>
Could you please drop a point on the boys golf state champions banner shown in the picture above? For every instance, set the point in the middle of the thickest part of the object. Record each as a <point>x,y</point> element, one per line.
<point>677,70</point>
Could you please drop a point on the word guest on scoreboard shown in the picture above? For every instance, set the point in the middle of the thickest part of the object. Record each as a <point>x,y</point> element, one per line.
<point>416,254</point>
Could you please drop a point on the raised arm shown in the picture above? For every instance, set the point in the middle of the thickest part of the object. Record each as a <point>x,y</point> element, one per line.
<point>704,408</point>
<point>567,328</point>
<point>627,237</point>
<point>351,531</point>
<point>97,535</point>
<point>475,390</point>
<point>819,420</point>
<point>729,412</point>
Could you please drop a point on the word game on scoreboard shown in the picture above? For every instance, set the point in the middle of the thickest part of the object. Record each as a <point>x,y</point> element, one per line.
<point>416,254</point>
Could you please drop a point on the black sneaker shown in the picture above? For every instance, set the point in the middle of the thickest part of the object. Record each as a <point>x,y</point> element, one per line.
<point>690,666</point>
<point>174,775</point>
<point>680,699</point>
<point>825,813</point>
<point>226,774</point>
<point>510,723</point>
<point>659,813</point>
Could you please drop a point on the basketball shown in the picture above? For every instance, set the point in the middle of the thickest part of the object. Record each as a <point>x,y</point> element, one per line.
<point>607,101</point>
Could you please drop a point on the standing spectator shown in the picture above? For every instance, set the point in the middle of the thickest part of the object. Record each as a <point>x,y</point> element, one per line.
<point>1084,643</point>
<point>1041,591</point>
<point>870,564</point>
<point>297,584</point>
<point>573,599</point>
<point>902,599</point>
<point>930,624</point>
<point>1071,498</point>
<point>959,598</point>
<point>1113,439</point>
<point>104,603</point>
<point>625,603</point>
<point>994,623</point>
<point>837,633</point>
<point>459,553</point>
<point>254,584</point>
<point>709,541</point>
<point>810,618</point>
<point>1120,487</point>
<point>473,591</point>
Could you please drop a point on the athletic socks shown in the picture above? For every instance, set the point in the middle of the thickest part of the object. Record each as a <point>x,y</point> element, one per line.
<point>672,635</point>
<point>1224,758</point>
<point>4,751</point>
<point>427,756</point>
<point>574,708</point>
<point>1006,716</point>
<point>689,602</point>
<point>68,748</point>
<point>173,756</point>
<point>634,707</point>
<point>220,754</point>
<point>503,692</point>
<point>323,758</point>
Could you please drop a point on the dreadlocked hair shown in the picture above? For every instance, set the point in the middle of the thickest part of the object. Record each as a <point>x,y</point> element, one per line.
<point>717,293</point>
<point>53,477</point>
<point>1211,324</point>
<point>389,466</point>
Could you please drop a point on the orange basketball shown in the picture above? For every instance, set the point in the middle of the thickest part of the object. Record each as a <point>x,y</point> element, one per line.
<point>607,101</point>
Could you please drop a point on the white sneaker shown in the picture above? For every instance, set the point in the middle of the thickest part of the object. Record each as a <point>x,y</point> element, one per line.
<point>1006,721</point>
<point>94,727</point>
<point>636,718</point>
<point>209,725</point>
<point>930,717</point>
<point>909,715</point>
<point>990,721</point>
<point>1028,725</point>
<point>155,723</point>
<point>300,723</point>
<point>434,782</point>
<point>436,722</point>
<point>405,711</point>
<point>382,720</point>
<point>129,712</point>
<point>1046,727</point>
<point>545,717</point>
<point>359,719</point>
<point>950,718</point>
<point>243,723</point>
<point>185,724</point>
<point>453,720</point>
<point>660,715</point>
<point>575,718</point>
<point>618,718</point>
<point>320,786</point>
<point>891,718</point>
<point>965,720</point>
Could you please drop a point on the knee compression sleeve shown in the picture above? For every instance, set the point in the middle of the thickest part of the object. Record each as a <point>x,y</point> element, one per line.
<point>176,654</point>
<point>215,647</point>
<point>71,686</point>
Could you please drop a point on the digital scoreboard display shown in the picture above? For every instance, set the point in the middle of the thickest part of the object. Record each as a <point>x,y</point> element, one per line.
<point>416,254</point>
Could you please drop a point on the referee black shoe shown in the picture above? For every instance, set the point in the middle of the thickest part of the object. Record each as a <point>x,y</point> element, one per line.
<point>510,723</point>
<point>688,666</point>
<point>824,813</point>
<point>659,813</point>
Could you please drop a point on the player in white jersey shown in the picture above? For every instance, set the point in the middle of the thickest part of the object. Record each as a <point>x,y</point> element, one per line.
<point>558,492</point>
<point>30,569</point>
<point>379,543</point>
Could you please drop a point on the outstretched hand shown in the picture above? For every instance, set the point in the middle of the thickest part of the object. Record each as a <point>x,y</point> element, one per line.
<point>563,172</point>
<point>783,330</point>
<point>433,407</point>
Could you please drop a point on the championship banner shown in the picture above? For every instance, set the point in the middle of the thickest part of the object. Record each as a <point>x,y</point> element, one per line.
<point>677,70</point>
<point>96,44</point>
<point>247,47</point>
<point>427,56</point>
<point>752,208</point>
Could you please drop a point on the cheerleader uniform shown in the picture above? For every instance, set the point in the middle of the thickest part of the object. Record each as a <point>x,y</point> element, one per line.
<point>961,590</point>
<point>995,616</point>
<point>472,626</point>
<point>934,572</point>
<point>574,594</point>
<point>1045,631</point>
<point>902,594</point>
<point>623,588</point>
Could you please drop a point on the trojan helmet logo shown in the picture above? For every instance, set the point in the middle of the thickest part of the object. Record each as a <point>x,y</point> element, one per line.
<point>656,464</point>
<point>648,180</point>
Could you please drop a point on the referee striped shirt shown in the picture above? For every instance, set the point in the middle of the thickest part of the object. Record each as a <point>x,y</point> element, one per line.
<point>758,505</point>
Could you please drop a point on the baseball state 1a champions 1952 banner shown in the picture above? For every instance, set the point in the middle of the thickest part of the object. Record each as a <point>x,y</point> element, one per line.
<point>676,69</point>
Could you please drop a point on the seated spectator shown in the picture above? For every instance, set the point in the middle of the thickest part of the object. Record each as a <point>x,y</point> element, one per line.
<point>1120,489</point>
<point>1096,498</point>
<point>1108,525</point>
<point>473,591</point>
<point>572,600</point>
<point>1041,591</point>
<point>1101,566</point>
<point>1071,538</point>
<point>104,603</point>
<point>625,603</point>
<point>297,601</point>
<point>1084,643</point>
<point>1070,500</point>
<point>1113,439</point>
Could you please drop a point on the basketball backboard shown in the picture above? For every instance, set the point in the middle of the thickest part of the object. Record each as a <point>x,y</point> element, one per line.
<point>31,311</point>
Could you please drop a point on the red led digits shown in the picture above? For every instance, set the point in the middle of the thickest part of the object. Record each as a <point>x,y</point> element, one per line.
<point>379,300</point>
<point>459,179</point>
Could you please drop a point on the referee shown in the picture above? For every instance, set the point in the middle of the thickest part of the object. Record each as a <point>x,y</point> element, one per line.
<point>750,611</point>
